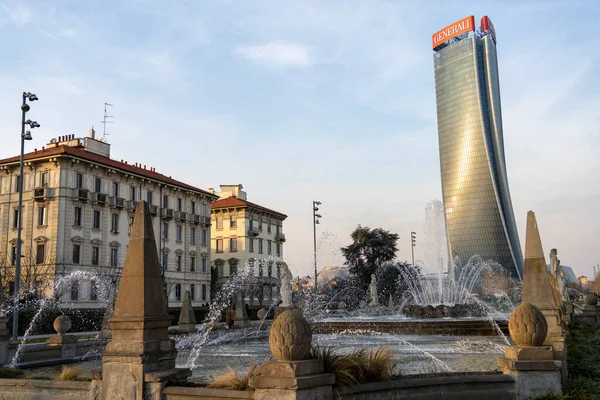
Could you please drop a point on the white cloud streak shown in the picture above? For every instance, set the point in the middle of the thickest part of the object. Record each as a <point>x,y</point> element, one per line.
<point>278,53</point>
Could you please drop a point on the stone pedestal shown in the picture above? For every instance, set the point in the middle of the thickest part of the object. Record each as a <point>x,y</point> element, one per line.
<point>240,319</point>
<point>67,343</point>
<point>587,316</point>
<point>534,368</point>
<point>293,380</point>
<point>4,337</point>
<point>570,312</point>
<point>187,319</point>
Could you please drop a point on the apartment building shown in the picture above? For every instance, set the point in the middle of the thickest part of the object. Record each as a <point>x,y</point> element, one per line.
<point>247,234</point>
<point>78,207</point>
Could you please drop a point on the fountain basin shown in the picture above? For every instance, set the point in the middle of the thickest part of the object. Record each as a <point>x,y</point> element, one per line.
<point>443,311</point>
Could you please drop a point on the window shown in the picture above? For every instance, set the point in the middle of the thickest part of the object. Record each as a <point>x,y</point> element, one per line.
<point>13,255</point>
<point>74,290</point>
<point>18,183</point>
<point>178,262</point>
<point>178,291</point>
<point>204,214</point>
<point>269,228</point>
<point>95,255</point>
<point>76,253</point>
<point>166,230</point>
<point>219,245</point>
<point>96,219</point>
<point>79,181</point>
<point>179,232</point>
<point>203,292</point>
<point>251,223</point>
<point>219,222</point>
<point>232,221</point>
<point>204,237</point>
<point>232,267</point>
<point>15,218</point>
<point>278,249</point>
<point>260,225</point>
<point>78,216</point>
<point>114,225</point>
<point>43,179</point>
<point>165,201</point>
<point>193,206</point>
<point>204,263</point>
<point>40,255</point>
<point>131,192</point>
<point>149,197</point>
<point>116,189</point>
<point>97,185</point>
<point>192,292</point>
<point>232,244</point>
<point>192,264</point>
<point>260,246</point>
<point>93,290</point>
<point>41,215</point>
<point>129,225</point>
<point>179,205</point>
<point>114,257</point>
<point>260,268</point>
<point>251,245</point>
<point>193,235</point>
<point>270,269</point>
<point>269,243</point>
<point>165,260</point>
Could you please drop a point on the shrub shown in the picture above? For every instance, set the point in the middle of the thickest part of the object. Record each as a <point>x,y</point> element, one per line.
<point>70,373</point>
<point>229,380</point>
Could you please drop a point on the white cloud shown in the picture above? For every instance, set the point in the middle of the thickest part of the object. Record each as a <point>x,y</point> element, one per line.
<point>279,53</point>
<point>19,15</point>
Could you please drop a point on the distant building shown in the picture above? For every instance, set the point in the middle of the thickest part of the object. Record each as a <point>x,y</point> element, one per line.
<point>78,208</point>
<point>245,233</point>
<point>583,280</point>
<point>479,213</point>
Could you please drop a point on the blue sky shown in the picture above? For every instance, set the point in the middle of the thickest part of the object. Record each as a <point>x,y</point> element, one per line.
<point>327,100</point>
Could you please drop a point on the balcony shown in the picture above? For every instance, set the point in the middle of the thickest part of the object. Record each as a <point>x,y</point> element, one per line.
<point>280,237</point>
<point>154,210</point>
<point>194,218</point>
<point>40,194</point>
<point>83,194</point>
<point>205,221</point>
<point>118,202</point>
<point>253,231</point>
<point>180,215</point>
<point>99,198</point>
<point>130,205</point>
<point>167,213</point>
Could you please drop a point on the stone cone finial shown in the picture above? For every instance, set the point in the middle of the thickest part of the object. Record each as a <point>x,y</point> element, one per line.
<point>537,288</point>
<point>141,288</point>
<point>527,326</point>
<point>290,338</point>
<point>187,319</point>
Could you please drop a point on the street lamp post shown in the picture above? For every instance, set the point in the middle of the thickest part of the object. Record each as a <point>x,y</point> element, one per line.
<point>315,222</point>
<point>25,135</point>
<point>413,243</point>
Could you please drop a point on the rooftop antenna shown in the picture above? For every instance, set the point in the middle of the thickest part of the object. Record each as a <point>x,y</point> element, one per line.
<point>104,121</point>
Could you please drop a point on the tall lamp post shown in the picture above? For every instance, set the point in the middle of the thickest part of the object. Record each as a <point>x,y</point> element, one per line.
<point>413,243</point>
<point>25,135</point>
<point>315,222</point>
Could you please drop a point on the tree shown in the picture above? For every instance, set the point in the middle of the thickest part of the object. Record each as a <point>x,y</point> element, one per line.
<point>394,278</point>
<point>369,249</point>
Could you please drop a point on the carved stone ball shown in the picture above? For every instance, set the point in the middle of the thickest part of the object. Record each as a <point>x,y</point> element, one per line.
<point>290,338</point>
<point>261,314</point>
<point>527,326</point>
<point>591,299</point>
<point>62,324</point>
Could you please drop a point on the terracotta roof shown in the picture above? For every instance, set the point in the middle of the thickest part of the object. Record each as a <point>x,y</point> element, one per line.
<point>236,202</point>
<point>80,152</point>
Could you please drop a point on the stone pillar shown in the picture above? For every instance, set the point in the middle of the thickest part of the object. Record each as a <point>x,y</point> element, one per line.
<point>240,319</point>
<point>530,361</point>
<point>294,375</point>
<point>570,312</point>
<point>187,319</point>
<point>140,359</point>
<point>4,337</point>
<point>588,315</point>
<point>539,291</point>
<point>67,343</point>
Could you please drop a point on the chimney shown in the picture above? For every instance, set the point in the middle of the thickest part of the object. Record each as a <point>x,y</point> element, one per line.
<point>92,133</point>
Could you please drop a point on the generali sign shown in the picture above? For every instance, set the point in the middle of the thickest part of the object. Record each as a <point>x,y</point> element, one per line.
<point>452,31</point>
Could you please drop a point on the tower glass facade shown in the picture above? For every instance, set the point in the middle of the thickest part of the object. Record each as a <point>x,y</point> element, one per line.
<point>478,209</point>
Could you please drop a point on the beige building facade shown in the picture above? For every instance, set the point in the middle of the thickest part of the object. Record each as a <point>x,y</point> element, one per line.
<point>245,234</point>
<point>78,207</point>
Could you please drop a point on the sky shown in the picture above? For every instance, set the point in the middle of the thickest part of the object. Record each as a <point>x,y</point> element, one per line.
<point>315,100</point>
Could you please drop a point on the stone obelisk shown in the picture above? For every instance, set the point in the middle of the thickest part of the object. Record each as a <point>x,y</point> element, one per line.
<point>140,358</point>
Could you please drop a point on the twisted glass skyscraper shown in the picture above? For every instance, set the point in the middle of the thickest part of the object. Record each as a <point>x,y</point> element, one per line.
<point>479,214</point>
